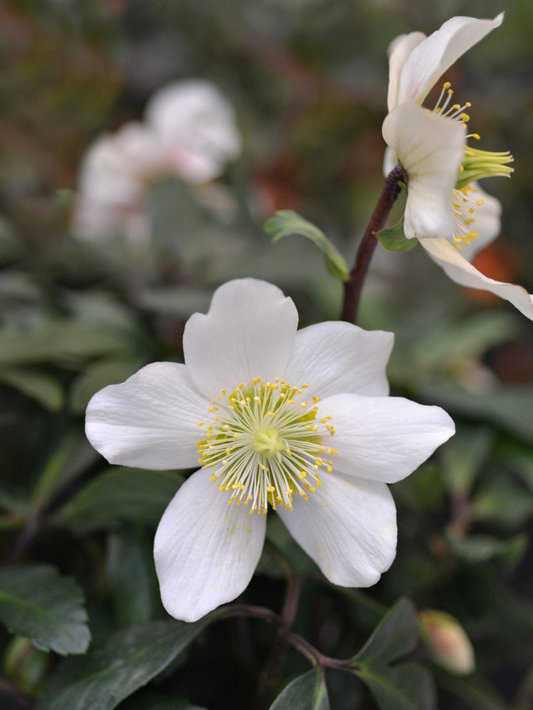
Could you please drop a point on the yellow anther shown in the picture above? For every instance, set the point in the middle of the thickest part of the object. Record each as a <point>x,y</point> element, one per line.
<point>446,85</point>
<point>200,423</point>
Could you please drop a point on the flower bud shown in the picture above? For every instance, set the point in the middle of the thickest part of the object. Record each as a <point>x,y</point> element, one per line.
<point>25,665</point>
<point>446,641</point>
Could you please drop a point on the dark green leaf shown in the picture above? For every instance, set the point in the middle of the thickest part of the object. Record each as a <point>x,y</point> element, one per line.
<point>127,661</point>
<point>121,493</point>
<point>39,603</point>
<point>42,388</point>
<point>287,222</point>
<point>464,454</point>
<point>307,692</point>
<point>146,700</point>
<point>510,407</point>
<point>479,548</point>
<point>64,339</point>
<point>404,687</point>
<point>503,502</point>
<point>67,461</point>
<point>127,559</point>
<point>99,375</point>
<point>395,635</point>
<point>394,238</point>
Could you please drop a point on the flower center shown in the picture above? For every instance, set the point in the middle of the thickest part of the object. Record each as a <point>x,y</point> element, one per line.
<point>477,164</point>
<point>264,444</point>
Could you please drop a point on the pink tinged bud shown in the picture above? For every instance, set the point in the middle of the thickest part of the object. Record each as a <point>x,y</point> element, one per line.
<point>446,641</point>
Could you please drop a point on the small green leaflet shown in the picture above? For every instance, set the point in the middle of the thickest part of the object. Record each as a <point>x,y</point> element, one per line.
<point>45,607</point>
<point>286,222</point>
<point>394,238</point>
<point>406,686</point>
<point>307,692</point>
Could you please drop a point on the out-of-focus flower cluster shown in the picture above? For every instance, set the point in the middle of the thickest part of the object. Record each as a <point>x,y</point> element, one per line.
<point>189,130</point>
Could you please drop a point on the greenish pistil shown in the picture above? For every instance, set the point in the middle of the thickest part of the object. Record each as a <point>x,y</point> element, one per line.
<point>268,442</point>
<point>478,164</point>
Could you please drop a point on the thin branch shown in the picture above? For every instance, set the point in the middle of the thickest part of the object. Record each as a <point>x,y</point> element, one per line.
<point>354,285</point>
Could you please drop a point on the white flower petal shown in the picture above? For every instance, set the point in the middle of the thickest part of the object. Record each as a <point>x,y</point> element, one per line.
<point>430,148</point>
<point>383,438</point>
<point>431,58</point>
<point>248,332</point>
<point>451,260</point>
<point>150,420</point>
<point>390,161</point>
<point>205,550</point>
<point>399,50</point>
<point>348,527</point>
<point>196,129</point>
<point>338,357</point>
<point>486,221</point>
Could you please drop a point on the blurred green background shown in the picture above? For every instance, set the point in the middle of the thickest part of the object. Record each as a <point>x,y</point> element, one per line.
<point>308,80</point>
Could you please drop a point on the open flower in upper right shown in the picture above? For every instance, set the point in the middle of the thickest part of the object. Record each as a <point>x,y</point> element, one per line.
<point>446,210</point>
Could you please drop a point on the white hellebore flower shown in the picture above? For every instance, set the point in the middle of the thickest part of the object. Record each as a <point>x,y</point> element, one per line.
<point>446,209</point>
<point>196,129</point>
<point>300,422</point>
<point>189,131</point>
<point>111,184</point>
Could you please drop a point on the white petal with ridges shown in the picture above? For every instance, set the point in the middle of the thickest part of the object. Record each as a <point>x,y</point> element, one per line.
<point>399,50</point>
<point>335,357</point>
<point>431,58</point>
<point>430,148</point>
<point>348,527</point>
<point>205,550</point>
<point>248,332</point>
<point>383,438</point>
<point>150,420</point>
<point>454,264</point>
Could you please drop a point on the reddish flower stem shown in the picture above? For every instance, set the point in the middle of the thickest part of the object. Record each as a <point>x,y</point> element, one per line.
<point>354,285</point>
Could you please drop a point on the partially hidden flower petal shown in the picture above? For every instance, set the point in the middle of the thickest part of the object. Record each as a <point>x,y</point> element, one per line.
<point>485,220</point>
<point>383,438</point>
<point>430,148</point>
<point>454,264</point>
<point>431,58</point>
<point>150,420</point>
<point>348,527</point>
<point>205,550</point>
<point>335,357</point>
<point>248,332</point>
<point>399,50</point>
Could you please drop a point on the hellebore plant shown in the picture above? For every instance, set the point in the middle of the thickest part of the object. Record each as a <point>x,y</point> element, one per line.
<point>446,210</point>
<point>299,422</point>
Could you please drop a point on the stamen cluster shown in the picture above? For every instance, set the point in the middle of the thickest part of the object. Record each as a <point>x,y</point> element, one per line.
<point>264,443</point>
<point>476,164</point>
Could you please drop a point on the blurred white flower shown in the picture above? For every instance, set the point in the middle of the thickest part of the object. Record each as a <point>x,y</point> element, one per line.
<point>446,209</point>
<point>189,132</point>
<point>196,129</point>
<point>298,421</point>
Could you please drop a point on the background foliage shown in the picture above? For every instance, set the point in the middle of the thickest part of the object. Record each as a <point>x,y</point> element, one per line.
<point>308,80</point>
